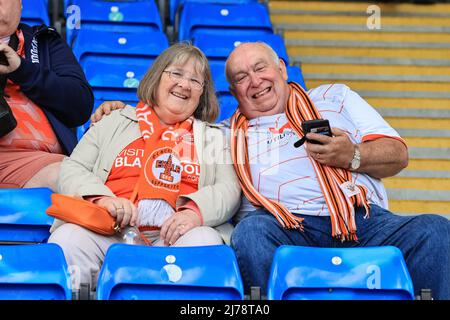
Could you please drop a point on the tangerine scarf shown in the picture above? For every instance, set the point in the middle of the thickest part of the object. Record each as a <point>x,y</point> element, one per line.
<point>341,195</point>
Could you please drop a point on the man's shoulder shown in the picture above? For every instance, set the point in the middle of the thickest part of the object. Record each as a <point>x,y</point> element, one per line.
<point>334,91</point>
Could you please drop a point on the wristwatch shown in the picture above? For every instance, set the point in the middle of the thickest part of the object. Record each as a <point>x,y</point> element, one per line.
<point>356,161</point>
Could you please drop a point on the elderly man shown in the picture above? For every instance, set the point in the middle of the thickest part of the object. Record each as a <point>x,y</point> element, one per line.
<point>325,194</point>
<point>44,95</point>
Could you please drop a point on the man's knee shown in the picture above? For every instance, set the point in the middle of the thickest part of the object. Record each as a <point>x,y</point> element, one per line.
<point>435,227</point>
<point>46,177</point>
<point>253,228</point>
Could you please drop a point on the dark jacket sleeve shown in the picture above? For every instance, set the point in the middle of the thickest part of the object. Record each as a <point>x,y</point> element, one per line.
<point>61,89</point>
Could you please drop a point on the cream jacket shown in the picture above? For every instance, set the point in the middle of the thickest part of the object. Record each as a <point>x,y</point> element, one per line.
<point>84,173</point>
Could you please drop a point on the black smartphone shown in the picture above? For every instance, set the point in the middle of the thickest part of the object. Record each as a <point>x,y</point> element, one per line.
<point>321,126</point>
<point>3,59</point>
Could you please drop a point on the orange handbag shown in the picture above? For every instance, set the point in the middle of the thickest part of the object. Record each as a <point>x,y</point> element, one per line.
<point>82,212</point>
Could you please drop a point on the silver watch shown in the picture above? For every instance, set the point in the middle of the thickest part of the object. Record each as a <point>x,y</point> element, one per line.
<point>356,161</point>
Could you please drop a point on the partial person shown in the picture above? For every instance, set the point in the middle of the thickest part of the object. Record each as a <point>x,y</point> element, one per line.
<point>326,194</point>
<point>162,167</point>
<point>44,95</point>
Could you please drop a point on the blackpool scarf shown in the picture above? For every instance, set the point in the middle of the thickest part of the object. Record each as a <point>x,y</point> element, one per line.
<point>158,186</point>
<point>341,195</point>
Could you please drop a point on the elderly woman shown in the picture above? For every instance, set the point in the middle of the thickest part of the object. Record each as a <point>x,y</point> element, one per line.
<point>161,166</point>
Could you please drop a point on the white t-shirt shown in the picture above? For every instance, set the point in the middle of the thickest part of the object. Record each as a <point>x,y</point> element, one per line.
<point>285,174</point>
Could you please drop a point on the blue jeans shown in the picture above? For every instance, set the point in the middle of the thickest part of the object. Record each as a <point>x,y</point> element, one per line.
<point>424,241</point>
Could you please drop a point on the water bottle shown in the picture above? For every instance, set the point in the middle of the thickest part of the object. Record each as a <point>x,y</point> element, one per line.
<point>132,235</point>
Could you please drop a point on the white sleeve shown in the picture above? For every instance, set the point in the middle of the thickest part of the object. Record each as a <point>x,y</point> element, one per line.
<point>366,119</point>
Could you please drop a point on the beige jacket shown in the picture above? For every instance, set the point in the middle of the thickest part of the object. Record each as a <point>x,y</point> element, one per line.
<point>84,173</point>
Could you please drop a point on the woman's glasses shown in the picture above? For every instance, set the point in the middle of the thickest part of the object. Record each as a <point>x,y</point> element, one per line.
<point>178,76</point>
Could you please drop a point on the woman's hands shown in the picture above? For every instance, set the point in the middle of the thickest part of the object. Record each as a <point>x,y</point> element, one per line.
<point>177,225</point>
<point>122,209</point>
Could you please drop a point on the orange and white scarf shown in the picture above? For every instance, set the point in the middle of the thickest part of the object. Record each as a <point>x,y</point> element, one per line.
<point>158,186</point>
<point>334,182</point>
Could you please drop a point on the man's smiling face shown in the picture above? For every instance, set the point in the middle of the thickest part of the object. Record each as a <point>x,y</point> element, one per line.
<point>257,80</point>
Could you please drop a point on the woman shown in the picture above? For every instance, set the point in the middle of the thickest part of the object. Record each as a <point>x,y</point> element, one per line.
<point>159,166</point>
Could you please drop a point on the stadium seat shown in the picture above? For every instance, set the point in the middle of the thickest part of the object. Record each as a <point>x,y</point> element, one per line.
<point>34,272</point>
<point>219,47</point>
<point>35,12</point>
<point>22,215</point>
<point>219,19</point>
<point>295,74</point>
<point>114,16</point>
<point>135,272</point>
<point>175,6</point>
<point>369,273</point>
<point>115,62</point>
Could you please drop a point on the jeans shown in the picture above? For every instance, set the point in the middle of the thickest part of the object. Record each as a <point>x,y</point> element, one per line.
<point>424,241</point>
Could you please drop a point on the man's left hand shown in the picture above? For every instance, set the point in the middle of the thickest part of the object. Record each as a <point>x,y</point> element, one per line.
<point>336,151</point>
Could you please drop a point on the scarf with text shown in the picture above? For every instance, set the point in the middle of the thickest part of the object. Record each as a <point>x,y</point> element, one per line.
<point>340,193</point>
<point>161,170</point>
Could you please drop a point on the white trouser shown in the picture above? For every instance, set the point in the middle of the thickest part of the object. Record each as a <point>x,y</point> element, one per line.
<point>85,250</point>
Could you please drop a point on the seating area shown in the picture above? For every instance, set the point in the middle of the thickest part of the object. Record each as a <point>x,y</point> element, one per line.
<point>116,42</point>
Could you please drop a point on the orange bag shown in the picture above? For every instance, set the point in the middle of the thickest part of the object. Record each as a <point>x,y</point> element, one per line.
<point>83,213</point>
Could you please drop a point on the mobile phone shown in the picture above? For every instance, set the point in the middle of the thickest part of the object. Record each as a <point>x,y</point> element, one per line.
<point>321,126</point>
<point>3,59</point>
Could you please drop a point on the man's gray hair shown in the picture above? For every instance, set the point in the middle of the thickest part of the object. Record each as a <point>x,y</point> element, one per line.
<point>269,49</point>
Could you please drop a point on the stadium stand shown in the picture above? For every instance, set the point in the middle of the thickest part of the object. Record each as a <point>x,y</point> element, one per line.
<point>34,272</point>
<point>22,215</point>
<point>115,16</point>
<point>411,93</point>
<point>372,273</point>
<point>135,272</point>
<point>35,12</point>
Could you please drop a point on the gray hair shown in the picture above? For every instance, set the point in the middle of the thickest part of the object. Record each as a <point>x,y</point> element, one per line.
<point>179,53</point>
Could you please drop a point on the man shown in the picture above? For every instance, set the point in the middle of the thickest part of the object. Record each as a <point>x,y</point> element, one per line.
<point>44,95</point>
<point>308,196</point>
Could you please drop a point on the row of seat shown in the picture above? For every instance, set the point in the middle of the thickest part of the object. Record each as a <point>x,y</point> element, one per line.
<point>39,270</point>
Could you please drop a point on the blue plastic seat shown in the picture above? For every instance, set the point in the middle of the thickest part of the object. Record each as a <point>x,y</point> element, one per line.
<point>22,215</point>
<point>175,6</point>
<point>369,273</point>
<point>219,19</point>
<point>134,272</point>
<point>34,272</point>
<point>35,12</point>
<point>114,62</point>
<point>219,47</point>
<point>114,16</point>
<point>295,74</point>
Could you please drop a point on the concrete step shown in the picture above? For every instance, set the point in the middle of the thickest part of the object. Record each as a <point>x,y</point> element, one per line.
<point>413,207</point>
<point>385,53</point>
<point>392,89</point>
<point>293,37</point>
<point>358,21</point>
<point>299,7</point>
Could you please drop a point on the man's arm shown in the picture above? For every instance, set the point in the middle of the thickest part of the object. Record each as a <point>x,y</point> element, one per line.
<point>380,158</point>
<point>60,88</point>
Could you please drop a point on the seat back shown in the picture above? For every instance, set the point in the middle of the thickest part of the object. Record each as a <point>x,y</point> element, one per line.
<point>369,273</point>
<point>22,215</point>
<point>220,46</point>
<point>35,12</point>
<point>34,272</point>
<point>174,273</point>
<point>115,62</point>
<point>115,16</point>
<point>219,19</point>
<point>295,74</point>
